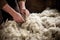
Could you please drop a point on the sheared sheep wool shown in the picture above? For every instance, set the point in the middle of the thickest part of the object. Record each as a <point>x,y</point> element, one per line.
<point>42,26</point>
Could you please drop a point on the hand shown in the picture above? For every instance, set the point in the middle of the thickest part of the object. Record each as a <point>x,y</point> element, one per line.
<point>25,12</point>
<point>18,18</point>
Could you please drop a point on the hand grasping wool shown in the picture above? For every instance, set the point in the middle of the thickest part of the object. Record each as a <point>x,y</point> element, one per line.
<point>37,27</point>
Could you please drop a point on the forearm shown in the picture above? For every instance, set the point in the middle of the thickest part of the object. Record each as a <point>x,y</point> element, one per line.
<point>9,10</point>
<point>22,4</point>
<point>16,16</point>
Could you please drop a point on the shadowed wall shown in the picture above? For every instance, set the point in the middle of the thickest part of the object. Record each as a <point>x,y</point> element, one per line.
<point>40,5</point>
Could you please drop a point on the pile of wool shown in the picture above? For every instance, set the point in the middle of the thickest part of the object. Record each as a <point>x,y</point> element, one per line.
<point>50,18</point>
<point>11,31</point>
<point>42,26</point>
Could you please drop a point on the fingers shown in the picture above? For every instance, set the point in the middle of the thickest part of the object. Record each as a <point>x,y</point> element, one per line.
<point>24,12</point>
<point>27,12</point>
<point>21,18</point>
<point>18,18</point>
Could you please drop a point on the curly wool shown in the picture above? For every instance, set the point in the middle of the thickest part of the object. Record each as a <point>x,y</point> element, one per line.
<point>42,26</point>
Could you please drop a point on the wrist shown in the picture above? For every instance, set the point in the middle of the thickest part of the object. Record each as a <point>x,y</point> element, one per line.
<point>14,14</point>
<point>22,8</point>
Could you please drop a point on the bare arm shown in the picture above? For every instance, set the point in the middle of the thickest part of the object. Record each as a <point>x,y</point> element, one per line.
<point>23,9</point>
<point>22,4</point>
<point>9,10</point>
<point>16,16</point>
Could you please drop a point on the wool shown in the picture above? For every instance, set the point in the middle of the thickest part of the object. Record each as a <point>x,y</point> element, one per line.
<point>42,26</point>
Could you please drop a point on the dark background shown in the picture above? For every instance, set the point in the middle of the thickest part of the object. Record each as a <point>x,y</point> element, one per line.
<point>53,4</point>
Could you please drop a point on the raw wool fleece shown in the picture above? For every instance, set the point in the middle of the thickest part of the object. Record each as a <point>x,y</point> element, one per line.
<point>42,26</point>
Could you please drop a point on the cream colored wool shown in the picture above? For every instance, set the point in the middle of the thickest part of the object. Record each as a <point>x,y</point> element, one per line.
<point>42,26</point>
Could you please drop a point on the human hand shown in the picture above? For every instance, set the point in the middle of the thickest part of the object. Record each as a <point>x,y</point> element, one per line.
<point>24,12</point>
<point>18,18</point>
